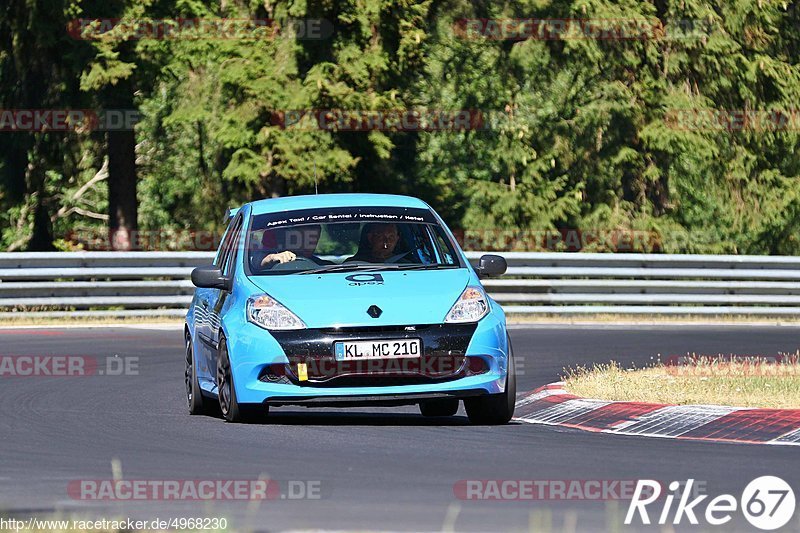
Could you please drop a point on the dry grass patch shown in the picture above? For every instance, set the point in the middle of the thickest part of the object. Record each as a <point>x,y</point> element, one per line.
<point>741,382</point>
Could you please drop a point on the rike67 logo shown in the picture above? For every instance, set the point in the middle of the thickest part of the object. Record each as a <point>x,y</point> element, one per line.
<point>767,502</point>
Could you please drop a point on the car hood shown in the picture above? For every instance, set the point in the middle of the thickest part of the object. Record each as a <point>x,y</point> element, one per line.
<point>343,298</point>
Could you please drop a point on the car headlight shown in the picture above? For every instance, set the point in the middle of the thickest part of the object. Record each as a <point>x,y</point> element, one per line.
<point>471,306</point>
<point>269,313</point>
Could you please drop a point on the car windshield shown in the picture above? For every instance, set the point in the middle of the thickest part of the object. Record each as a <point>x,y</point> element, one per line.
<point>344,239</point>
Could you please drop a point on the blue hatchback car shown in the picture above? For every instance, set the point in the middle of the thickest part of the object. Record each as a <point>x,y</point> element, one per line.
<point>344,300</point>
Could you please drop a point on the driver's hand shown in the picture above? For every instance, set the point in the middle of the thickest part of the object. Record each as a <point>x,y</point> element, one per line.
<point>282,257</point>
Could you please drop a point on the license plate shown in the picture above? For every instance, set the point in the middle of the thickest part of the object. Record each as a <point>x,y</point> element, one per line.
<point>377,349</point>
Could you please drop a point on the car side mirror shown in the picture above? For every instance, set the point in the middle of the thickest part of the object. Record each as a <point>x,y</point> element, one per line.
<point>492,265</point>
<point>210,277</point>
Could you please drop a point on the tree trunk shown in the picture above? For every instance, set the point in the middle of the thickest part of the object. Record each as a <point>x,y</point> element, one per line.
<point>123,205</point>
<point>42,231</point>
<point>42,236</point>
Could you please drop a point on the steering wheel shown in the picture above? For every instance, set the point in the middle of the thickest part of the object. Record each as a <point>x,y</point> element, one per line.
<point>299,263</point>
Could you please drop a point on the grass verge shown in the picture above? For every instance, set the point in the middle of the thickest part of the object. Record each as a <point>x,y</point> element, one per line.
<point>702,380</point>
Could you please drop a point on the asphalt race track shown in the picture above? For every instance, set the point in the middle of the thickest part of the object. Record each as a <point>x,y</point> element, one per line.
<point>376,469</point>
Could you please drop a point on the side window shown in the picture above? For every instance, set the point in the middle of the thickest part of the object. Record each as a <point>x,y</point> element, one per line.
<point>236,245</point>
<point>443,244</point>
<point>233,247</point>
<point>423,245</point>
<point>229,246</point>
<point>224,247</point>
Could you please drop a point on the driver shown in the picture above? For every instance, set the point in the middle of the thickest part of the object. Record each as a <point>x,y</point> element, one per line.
<point>299,242</point>
<point>381,241</point>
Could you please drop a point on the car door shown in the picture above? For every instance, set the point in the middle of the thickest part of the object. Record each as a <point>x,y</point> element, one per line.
<point>216,297</point>
<point>205,349</point>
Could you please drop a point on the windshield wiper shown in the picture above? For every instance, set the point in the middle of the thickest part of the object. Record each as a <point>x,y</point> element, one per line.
<point>430,266</point>
<point>344,267</point>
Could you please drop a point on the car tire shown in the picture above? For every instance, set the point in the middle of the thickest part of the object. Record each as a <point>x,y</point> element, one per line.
<point>495,409</point>
<point>194,396</point>
<point>229,406</point>
<point>444,407</point>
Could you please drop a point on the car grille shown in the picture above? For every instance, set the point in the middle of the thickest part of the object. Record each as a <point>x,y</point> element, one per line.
<point>329,373</point>
<point>443,357</point>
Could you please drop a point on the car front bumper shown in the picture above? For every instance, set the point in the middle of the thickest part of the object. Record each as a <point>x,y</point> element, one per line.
<point>254,352</point>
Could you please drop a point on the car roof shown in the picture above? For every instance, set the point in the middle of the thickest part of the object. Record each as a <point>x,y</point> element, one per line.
<point>312,201</point>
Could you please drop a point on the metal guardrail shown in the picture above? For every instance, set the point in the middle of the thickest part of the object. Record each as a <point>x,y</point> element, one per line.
<point>157,283</point>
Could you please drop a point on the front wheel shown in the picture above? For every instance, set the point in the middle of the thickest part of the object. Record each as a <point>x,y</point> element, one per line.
<point>232,410</point>
<point>495,409</point>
